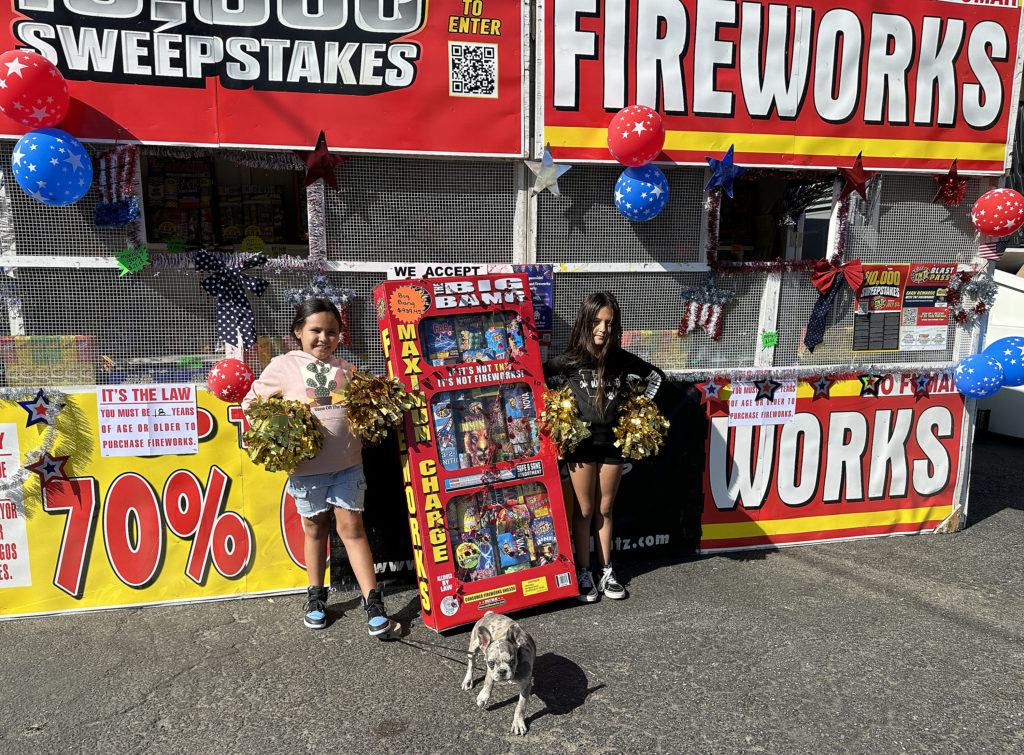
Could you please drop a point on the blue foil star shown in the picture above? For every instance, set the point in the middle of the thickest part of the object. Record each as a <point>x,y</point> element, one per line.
<point>38,409</point>
<point>724,172</point>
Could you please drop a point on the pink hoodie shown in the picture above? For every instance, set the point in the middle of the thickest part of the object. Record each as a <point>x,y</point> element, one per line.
<point>288,375</point>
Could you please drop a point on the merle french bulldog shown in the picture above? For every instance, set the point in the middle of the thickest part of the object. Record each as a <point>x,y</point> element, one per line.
<point>509,652</point>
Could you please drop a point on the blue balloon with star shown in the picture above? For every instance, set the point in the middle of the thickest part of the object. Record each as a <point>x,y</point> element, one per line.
<point>1009,352</point>
<point>978,376</point>
<point>52,167</point>
<point>641,193</point>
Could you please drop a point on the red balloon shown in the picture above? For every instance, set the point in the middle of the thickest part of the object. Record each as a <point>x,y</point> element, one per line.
<point>32,91</point>
<point>636,135</point>
<point>230,380</point>
<point>999,212</point>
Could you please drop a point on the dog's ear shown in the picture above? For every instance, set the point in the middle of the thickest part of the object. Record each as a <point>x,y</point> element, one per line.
<point>516,635</point>
<point>484,637</point>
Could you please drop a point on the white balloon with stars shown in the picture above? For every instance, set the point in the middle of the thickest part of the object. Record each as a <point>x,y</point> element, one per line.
<point>641,193</point>
<point>52,167</point>
<point>978,376</point>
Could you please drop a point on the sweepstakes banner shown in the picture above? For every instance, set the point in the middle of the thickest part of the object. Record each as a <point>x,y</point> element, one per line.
<point>410,76</point>
<point>913,85</point>
<point>132,530</point>
<point>846,466</point>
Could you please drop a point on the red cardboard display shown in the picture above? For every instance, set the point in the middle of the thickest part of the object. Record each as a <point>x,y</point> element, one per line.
<point>484,496</point>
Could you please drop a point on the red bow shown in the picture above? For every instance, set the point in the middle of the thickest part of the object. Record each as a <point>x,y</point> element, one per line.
<point>825,273</point>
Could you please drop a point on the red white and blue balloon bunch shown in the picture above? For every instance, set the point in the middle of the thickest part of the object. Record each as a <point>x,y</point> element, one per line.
<point>49,164</point>
<point>636,136</point>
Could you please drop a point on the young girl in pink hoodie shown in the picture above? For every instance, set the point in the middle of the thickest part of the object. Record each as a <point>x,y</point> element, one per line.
<point>333,479</point>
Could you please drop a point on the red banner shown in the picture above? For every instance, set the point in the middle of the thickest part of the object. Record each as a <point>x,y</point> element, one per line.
<point>913,85</point>
<point>378,75</point>
<point>847,466</point>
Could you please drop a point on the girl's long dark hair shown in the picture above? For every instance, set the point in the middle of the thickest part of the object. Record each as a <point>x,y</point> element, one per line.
<point>581,346</point>
<point>311,307</point>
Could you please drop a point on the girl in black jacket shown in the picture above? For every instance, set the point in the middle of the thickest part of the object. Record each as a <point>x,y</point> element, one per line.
<point>598,371</point>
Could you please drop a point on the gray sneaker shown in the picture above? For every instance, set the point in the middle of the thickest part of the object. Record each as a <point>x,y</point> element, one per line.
<point>585,580</point>
<point>609,585</point>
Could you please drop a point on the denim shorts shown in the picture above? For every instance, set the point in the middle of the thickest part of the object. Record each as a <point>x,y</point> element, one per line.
<point>316,493</point>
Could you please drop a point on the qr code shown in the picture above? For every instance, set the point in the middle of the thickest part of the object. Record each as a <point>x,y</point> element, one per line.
<point>909,316</point>
<point>562,580</point>
<point>473,70</point>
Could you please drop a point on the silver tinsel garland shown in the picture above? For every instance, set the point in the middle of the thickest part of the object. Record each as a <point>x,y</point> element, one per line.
<point>836,371</point>
<point>15,481</point>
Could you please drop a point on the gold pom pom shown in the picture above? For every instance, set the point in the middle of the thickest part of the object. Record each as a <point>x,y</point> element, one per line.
<point>561,421</point>
<point>641,429</point>
<point>282,434</point>
<point>375,405</point>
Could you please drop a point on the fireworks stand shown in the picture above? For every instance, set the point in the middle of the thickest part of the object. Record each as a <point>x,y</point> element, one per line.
<point>780,196</point>
<point>486,514</point>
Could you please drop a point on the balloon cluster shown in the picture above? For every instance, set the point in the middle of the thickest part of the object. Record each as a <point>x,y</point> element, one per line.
<point>636,136</point>
<point>1001,363</point>
<point>49,164</point>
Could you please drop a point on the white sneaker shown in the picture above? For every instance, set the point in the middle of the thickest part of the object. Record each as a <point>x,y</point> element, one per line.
<point>585,580</point>
<point>609,585</point>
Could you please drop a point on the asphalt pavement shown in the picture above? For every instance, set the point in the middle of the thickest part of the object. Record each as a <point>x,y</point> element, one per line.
<point>903,644</point>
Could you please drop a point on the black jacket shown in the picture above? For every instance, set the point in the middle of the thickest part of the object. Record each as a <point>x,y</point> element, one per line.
<point>622,369</point>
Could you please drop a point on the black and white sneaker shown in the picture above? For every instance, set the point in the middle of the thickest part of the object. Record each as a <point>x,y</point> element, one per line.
<point>315,607</point>
<point>609,586</point>
<point>377,622</point>
<point>585,581</point>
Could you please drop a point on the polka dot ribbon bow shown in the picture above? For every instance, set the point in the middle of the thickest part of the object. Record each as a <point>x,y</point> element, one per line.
<point>228,285</point>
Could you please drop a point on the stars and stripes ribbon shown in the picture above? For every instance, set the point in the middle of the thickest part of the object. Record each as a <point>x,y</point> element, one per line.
<point>228,285</point>
<point>829,279</point>
<point>702,307</point>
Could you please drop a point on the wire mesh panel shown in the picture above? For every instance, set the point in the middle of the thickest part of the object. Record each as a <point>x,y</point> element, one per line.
<point>583,225</point>
<point>797,298</point>
<point>274,316</point>
<point>390,209</point>
<point>44,230</point>
<point>651,310</point>
<point>899,223</point>
<point>92,326</point>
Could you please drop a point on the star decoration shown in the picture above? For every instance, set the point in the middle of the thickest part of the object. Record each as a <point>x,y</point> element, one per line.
<point>319,288</point>
<point>921,386</point>
<point>869,385</point>
<point>38,409</point>
<point>951,188</point>
<point>547,173</point>
<point>320,163</point>
<point>766,389</point>
<point>821,387</point>
<point>724,171</point>
<point>49,468</point>
<point>856,178</point>
<point>710,391</point>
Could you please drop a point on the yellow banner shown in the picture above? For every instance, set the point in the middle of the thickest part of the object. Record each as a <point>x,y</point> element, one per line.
<point>137,530</point>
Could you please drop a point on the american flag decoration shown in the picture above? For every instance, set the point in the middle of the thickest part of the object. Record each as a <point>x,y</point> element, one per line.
<point>990,248</point>
<point>702,307</point>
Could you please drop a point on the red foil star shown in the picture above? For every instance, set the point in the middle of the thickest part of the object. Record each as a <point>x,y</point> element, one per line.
<point>951,188</point>
<point>320,163</point>
<point>856,178</point>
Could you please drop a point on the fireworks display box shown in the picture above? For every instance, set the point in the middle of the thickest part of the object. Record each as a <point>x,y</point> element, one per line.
<point>485,505</point>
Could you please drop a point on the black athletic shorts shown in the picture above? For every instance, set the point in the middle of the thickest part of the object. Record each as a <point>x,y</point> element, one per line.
<point>588,452</point>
